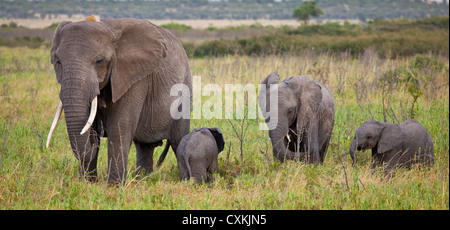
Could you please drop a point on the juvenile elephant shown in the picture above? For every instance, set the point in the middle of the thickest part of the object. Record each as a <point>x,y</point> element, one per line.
<point>126,68</point>
<point>197,154</point>
<point>393,145</point>
<point>305,117</point>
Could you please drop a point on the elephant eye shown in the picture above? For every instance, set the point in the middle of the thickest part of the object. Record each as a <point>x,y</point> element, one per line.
<point>99,61</point>
<point>290,110</point>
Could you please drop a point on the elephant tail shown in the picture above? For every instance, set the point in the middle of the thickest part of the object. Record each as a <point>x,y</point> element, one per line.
<point>163,155</point>
<point>186,161</point>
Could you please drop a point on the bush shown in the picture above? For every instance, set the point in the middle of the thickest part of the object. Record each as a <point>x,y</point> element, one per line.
<point>11,25</point>
<point>329,29</point>
<point>31,42</point>
<point>53,26</point>
<point>176,26</point>
<point>217,47</point>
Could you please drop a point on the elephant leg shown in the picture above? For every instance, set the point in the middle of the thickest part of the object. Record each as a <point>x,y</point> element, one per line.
<point>123,118</point>
<point>89,167</point>
<point>310,145</point>
<point>211,170</point>
<point>313,139</point>
<point>199,175</point>
<point>376,160</point>
<point>323,151</point>
<point>144,157</point>
<point>390,160</point>
<point>176,134</point>
<point>209,176</point>
<point>120,133</point>
<point>118,150</point>
<point>198,170</point>
<point>182,168</point>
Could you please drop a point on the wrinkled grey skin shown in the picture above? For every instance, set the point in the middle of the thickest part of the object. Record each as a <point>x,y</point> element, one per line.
<point>131,66</point>
<point>305,118</point>
<point>197,154</point>
<point>393,145</point>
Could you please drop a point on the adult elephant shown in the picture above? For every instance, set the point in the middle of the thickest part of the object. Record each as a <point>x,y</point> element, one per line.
<point>304,118</point>
<point>116,76</point>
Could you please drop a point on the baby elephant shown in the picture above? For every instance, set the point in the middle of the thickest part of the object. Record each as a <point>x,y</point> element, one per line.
<point>197,154</point>
<point>394,144</point>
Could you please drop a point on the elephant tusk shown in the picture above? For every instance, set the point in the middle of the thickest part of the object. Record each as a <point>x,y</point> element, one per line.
<point>91,116</point>
<point>55,122</point>
<point>288,137</point>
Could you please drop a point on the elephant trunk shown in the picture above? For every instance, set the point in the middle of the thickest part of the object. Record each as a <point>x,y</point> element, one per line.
<point>75,99</point>
<point>280,140</point>
<point>352,151</point>
<point>58,114</point>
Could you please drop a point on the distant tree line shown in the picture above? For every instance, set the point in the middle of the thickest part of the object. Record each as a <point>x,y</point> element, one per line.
<point>230,9</point>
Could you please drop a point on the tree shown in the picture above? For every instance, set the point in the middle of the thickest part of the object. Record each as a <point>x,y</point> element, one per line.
<point>307,9</point>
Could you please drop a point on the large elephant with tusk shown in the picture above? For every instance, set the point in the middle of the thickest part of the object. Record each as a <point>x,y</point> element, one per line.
<point>116,76</point>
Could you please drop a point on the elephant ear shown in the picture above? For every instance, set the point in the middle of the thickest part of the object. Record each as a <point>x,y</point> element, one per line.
<point>264,93</point>
<point>140,50</point>
<point>273,78</point>
<point>217,134</point>
<point>391,137</point>
<point>55,44</point>
<point>309,95</point>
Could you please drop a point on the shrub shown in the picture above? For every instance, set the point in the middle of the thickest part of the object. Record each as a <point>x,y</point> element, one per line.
<point>328,29</point>
<point>11,25</point>
<point>217,47</point>
<point>53,26</point>
<point>176,26</point>
<point>31,42</point>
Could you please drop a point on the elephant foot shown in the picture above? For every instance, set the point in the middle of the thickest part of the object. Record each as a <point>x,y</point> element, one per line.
<point>88,175</point>
<point>298,156</point>
<point>92,178</point>
<point>143,172</point>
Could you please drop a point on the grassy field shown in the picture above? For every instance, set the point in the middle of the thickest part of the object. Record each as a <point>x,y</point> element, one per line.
<point>33,177</point>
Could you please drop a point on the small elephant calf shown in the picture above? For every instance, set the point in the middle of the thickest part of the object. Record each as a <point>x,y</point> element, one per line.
<point>394,145</point>
<point>197,154</point>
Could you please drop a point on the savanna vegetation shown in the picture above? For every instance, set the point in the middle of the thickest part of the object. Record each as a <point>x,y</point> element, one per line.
<point>388,71</point>
<point>390,38</point>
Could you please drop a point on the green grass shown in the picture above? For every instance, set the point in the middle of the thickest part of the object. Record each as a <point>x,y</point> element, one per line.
<point>32,177</point>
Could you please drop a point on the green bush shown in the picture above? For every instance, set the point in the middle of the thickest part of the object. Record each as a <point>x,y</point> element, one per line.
<point>217,47</point>
<point>414,74</point>
<point>53,26</point>
<point>176,26</point>
<point>441,22</point>
<point>11,25</point>
<point>329,29</point>
<point>31,42</point>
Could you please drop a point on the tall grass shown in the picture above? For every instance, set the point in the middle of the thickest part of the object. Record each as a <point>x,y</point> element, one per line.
<point>32,177</point>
